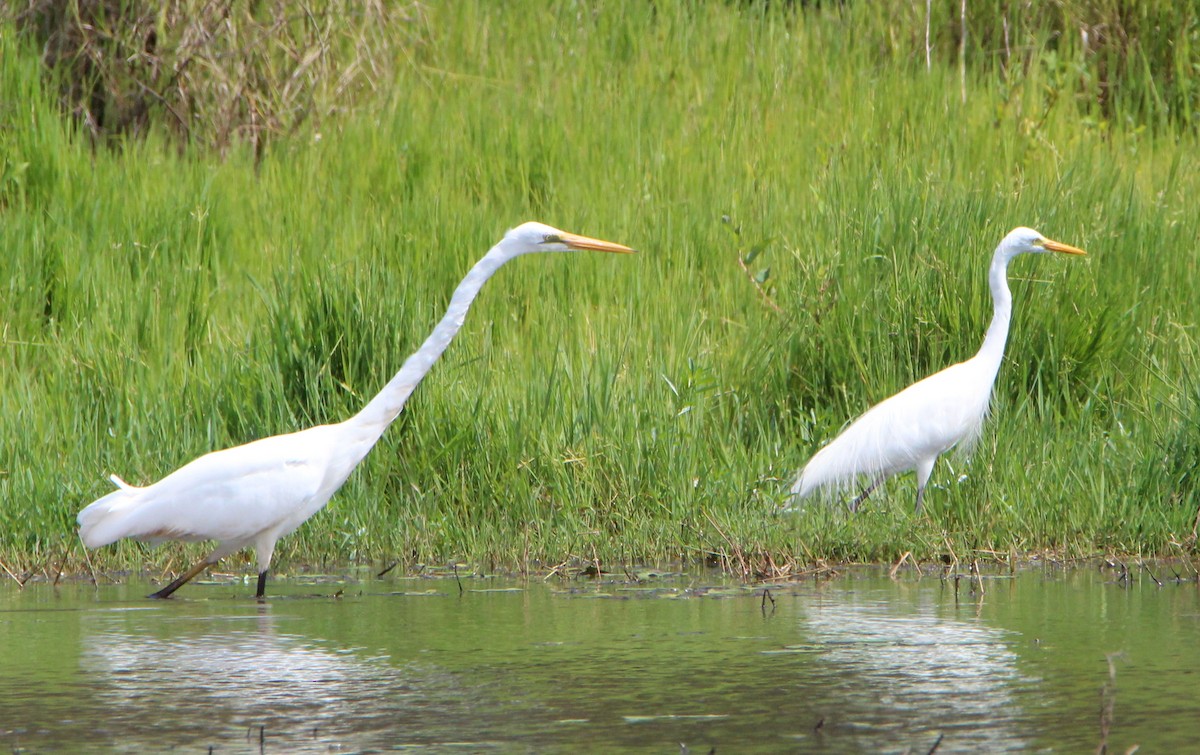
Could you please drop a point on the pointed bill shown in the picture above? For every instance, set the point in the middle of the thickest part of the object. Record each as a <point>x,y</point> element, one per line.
<point>576,241</point>
<point>1058,246</point>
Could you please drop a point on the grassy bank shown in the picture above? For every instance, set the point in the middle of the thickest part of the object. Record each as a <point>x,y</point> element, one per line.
<point>162,302</point>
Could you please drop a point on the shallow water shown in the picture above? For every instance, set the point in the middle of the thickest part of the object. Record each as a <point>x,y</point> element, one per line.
<point>859,663</point>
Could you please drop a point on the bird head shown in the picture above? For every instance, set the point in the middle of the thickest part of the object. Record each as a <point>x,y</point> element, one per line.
<point>539,237</point>
<point>1029,241</point>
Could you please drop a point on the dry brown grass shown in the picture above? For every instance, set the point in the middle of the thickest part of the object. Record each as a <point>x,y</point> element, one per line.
<point>217,72</point>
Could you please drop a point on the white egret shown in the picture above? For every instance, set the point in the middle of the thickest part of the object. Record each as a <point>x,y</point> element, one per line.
<point>912,428</point>
<point>256,493</point>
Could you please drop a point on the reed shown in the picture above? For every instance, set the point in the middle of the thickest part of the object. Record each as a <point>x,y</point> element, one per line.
<point>816,211</point>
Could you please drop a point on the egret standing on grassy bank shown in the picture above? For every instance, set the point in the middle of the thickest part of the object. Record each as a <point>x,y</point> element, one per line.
<point>912,428</point>
<point>256,493</point>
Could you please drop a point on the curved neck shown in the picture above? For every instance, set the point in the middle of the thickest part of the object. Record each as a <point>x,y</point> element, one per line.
<point>385,407</point>
<point>997,333</point>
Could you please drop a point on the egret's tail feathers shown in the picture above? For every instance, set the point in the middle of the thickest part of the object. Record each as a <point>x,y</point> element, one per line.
<point>848,461</point>
<point>812,480</point>
<point>102,522</point>
<point>119,482</point>
<point>809,480</point>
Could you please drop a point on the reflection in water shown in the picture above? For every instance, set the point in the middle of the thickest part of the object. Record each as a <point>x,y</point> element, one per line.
<point>919,671</point>
<point>217,684</point>
<point>864,664</point>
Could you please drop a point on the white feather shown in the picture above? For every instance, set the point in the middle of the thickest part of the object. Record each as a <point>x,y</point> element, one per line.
<point>258,492</point>
<point>912,428</point>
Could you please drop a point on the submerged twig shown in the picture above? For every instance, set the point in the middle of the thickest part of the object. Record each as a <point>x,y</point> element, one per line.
<point>936,744</point>
<point>15,578</point>
<point>262,737</point>
<point>91,569</point>
<point>1147,568</point>
<point>596,561</point>
<point>556,570</point>
<point>62,565</point>
<point>978,577</point>
<point>767,596</point>
<point>393,565</point>
<point>1108,701</point>
<point>1123,577</point>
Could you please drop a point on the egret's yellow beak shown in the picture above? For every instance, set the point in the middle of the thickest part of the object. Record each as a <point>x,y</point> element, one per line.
<point>1058,246</point>
<point>596,245</point>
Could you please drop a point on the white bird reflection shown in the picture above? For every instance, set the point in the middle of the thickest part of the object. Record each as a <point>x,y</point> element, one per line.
<point>225,681</point>
<point>906,670</point>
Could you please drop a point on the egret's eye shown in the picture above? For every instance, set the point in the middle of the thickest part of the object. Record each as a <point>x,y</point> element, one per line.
<point>551,238</point>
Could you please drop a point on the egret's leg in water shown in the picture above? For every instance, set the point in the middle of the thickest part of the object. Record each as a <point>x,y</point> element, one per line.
<point>181,580</point>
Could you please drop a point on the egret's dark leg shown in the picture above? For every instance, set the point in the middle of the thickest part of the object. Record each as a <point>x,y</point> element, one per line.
<point>262,585</point>
<point>181,580</point>
<point>924,470</point>
<point>863,495</point>
<point>920,497</point>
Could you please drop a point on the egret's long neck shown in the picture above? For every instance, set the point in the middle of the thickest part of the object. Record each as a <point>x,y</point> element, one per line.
<point>385,407</point>
<point>992,351</point>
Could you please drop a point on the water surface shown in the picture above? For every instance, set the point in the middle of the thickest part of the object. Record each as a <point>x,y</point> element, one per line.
<point>858,663</point>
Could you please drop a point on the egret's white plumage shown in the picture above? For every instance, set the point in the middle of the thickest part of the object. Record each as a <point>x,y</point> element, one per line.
<point>256,493</point>
<point>912,428</point>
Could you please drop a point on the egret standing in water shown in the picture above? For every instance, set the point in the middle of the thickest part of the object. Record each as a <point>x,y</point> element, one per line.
<point>912,428</point>
<point>256,493</point>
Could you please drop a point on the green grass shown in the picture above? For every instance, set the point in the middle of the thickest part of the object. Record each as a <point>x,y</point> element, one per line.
<point>163,302</point>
